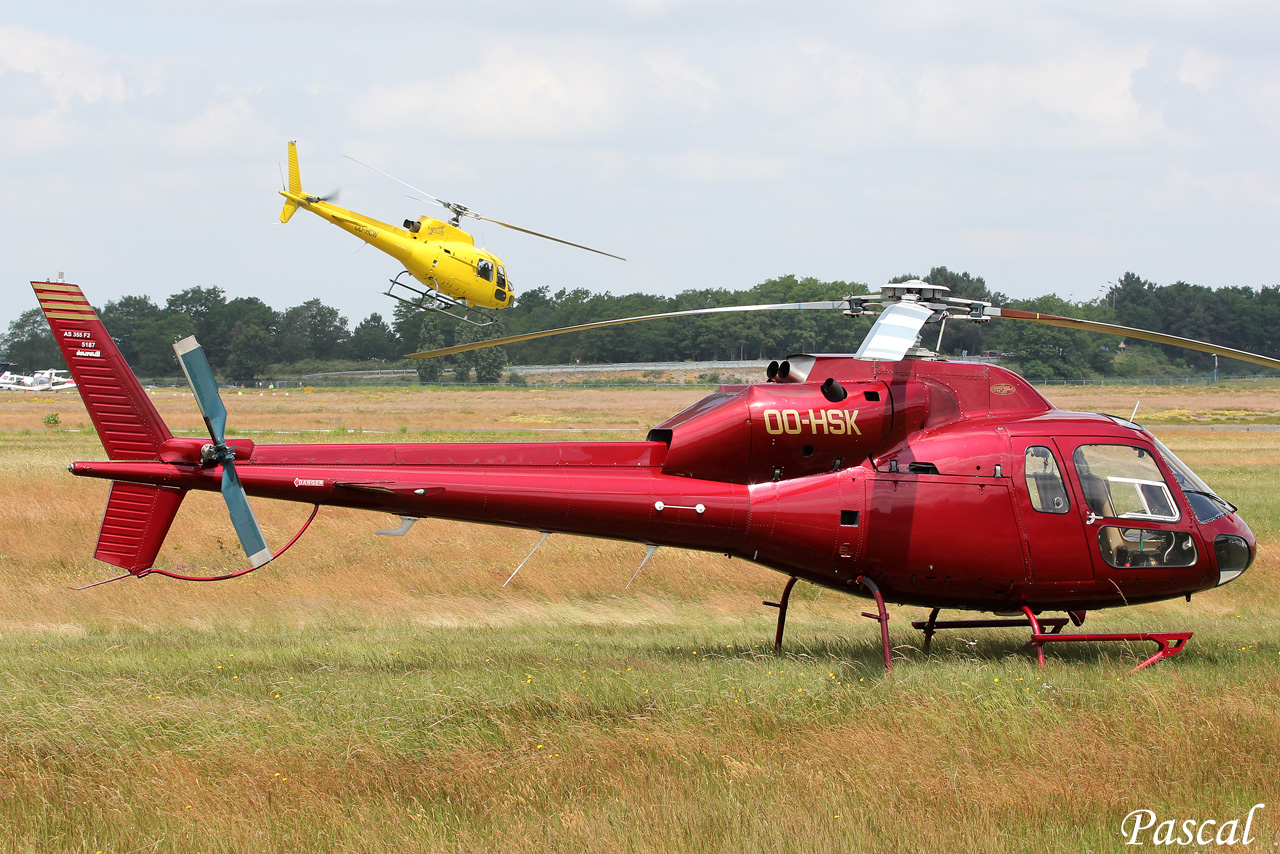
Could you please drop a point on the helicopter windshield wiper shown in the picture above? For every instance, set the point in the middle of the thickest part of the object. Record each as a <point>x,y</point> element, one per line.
<point>1212,497</point>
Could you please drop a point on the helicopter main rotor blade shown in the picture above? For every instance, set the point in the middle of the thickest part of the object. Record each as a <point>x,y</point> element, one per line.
<point>463,210</point>
<point>450,205</point>
<point>825,305</point>
<point>894,332</point>
<point>1130,332</point>
<point>545,236</point>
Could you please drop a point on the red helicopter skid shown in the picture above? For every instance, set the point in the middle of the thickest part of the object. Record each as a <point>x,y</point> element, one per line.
<point>1049,630</point>
<point>1168,644</point>
<point>933,625</point>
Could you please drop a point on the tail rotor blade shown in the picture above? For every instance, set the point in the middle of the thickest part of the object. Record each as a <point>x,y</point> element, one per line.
<point>246,524</point>
<point>195,364</point>
<point>200,375</point>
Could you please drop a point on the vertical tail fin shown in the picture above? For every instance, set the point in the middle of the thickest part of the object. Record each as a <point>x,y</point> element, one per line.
<point>126,420</point>
<point>295,183</point>
<point>137,516</point>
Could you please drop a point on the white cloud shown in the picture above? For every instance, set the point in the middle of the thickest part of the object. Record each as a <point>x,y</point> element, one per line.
<point>999,134</point>
<point>555,94</point>
<point>69,70</point>
<point>718,166</point>
<point>219,126</point>
<point>1201,69</point>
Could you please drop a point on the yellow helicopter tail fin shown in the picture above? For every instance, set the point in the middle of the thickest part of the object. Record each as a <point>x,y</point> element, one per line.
<point>295,182</point>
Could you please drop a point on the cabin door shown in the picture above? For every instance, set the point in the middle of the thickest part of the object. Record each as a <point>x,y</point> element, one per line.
<point>1054,535</point>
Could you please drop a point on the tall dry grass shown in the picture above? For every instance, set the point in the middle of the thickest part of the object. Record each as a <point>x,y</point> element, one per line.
<point>369,694</point>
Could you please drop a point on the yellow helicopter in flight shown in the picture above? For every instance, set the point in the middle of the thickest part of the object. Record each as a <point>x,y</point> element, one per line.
<point>448,272</point>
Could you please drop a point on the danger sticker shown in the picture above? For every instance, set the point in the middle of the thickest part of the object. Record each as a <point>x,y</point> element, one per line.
<point>306,481</point>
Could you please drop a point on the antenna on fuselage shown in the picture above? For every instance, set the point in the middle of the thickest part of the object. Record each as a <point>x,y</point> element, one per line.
<point>545,534</point>
<point>647,555</point>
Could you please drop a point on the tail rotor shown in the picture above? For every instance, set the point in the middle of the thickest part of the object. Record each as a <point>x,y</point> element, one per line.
<point>200,375</point>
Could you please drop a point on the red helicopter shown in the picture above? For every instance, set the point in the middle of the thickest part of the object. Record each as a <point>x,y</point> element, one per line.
<point>889,474</point>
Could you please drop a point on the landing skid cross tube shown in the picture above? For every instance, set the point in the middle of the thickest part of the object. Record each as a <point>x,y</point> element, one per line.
<point>781,605</point>
<point>1049,630</point>
<point>881,615</point>
<point>932,625</point>
<point>430,299</point>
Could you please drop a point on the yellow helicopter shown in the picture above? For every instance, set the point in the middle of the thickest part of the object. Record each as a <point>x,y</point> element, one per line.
<point>448,272</point>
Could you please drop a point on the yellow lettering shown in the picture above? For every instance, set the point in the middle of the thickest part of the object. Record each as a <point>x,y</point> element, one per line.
<point>820,419</point>
<point>850,415</point>
<point>772,422</point>
<point>791,421</point>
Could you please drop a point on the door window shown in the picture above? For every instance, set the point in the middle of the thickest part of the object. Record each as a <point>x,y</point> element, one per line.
<point>1044,481</point>
<point>1124,482</point>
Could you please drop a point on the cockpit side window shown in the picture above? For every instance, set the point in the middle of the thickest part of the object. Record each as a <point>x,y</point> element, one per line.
<point>1124,482</point>
<point>502,277</point>
<point>484,269</point>
<point>1044,481</point>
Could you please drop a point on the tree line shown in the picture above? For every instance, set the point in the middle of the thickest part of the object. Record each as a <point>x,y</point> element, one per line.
<point>246,339</point>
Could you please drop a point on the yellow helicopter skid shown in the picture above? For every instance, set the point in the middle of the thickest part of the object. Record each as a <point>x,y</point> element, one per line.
<point>430,299</point>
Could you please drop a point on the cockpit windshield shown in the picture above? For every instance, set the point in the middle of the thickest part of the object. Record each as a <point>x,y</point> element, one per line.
<point>1205,503</point>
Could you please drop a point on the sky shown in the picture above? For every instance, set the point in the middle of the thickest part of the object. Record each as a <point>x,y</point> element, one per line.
<point>1049,147</point>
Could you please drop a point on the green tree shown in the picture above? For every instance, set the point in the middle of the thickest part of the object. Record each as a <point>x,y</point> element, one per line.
<point>154,340</point>
<point>406,323</point>
<point>462,363</point>
<point>203,307</point>
<point>373,339</point>
<point>122,318</point>
<point>1047,352</point>
<point>429,338</point>
<point>490,361</point>
<point>29,344</point>
<point>249,354</point>
<point>313,330</point>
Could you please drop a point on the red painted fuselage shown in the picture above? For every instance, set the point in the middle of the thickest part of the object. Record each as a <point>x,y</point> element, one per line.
<point>919,478</point>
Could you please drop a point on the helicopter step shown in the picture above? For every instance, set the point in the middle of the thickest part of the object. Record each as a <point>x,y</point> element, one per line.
<point>430,299</point>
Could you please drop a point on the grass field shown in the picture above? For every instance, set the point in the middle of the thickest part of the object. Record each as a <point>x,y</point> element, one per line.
<point>374,694</point>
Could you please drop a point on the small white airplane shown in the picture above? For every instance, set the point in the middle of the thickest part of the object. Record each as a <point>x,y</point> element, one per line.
<point>48,380</point>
